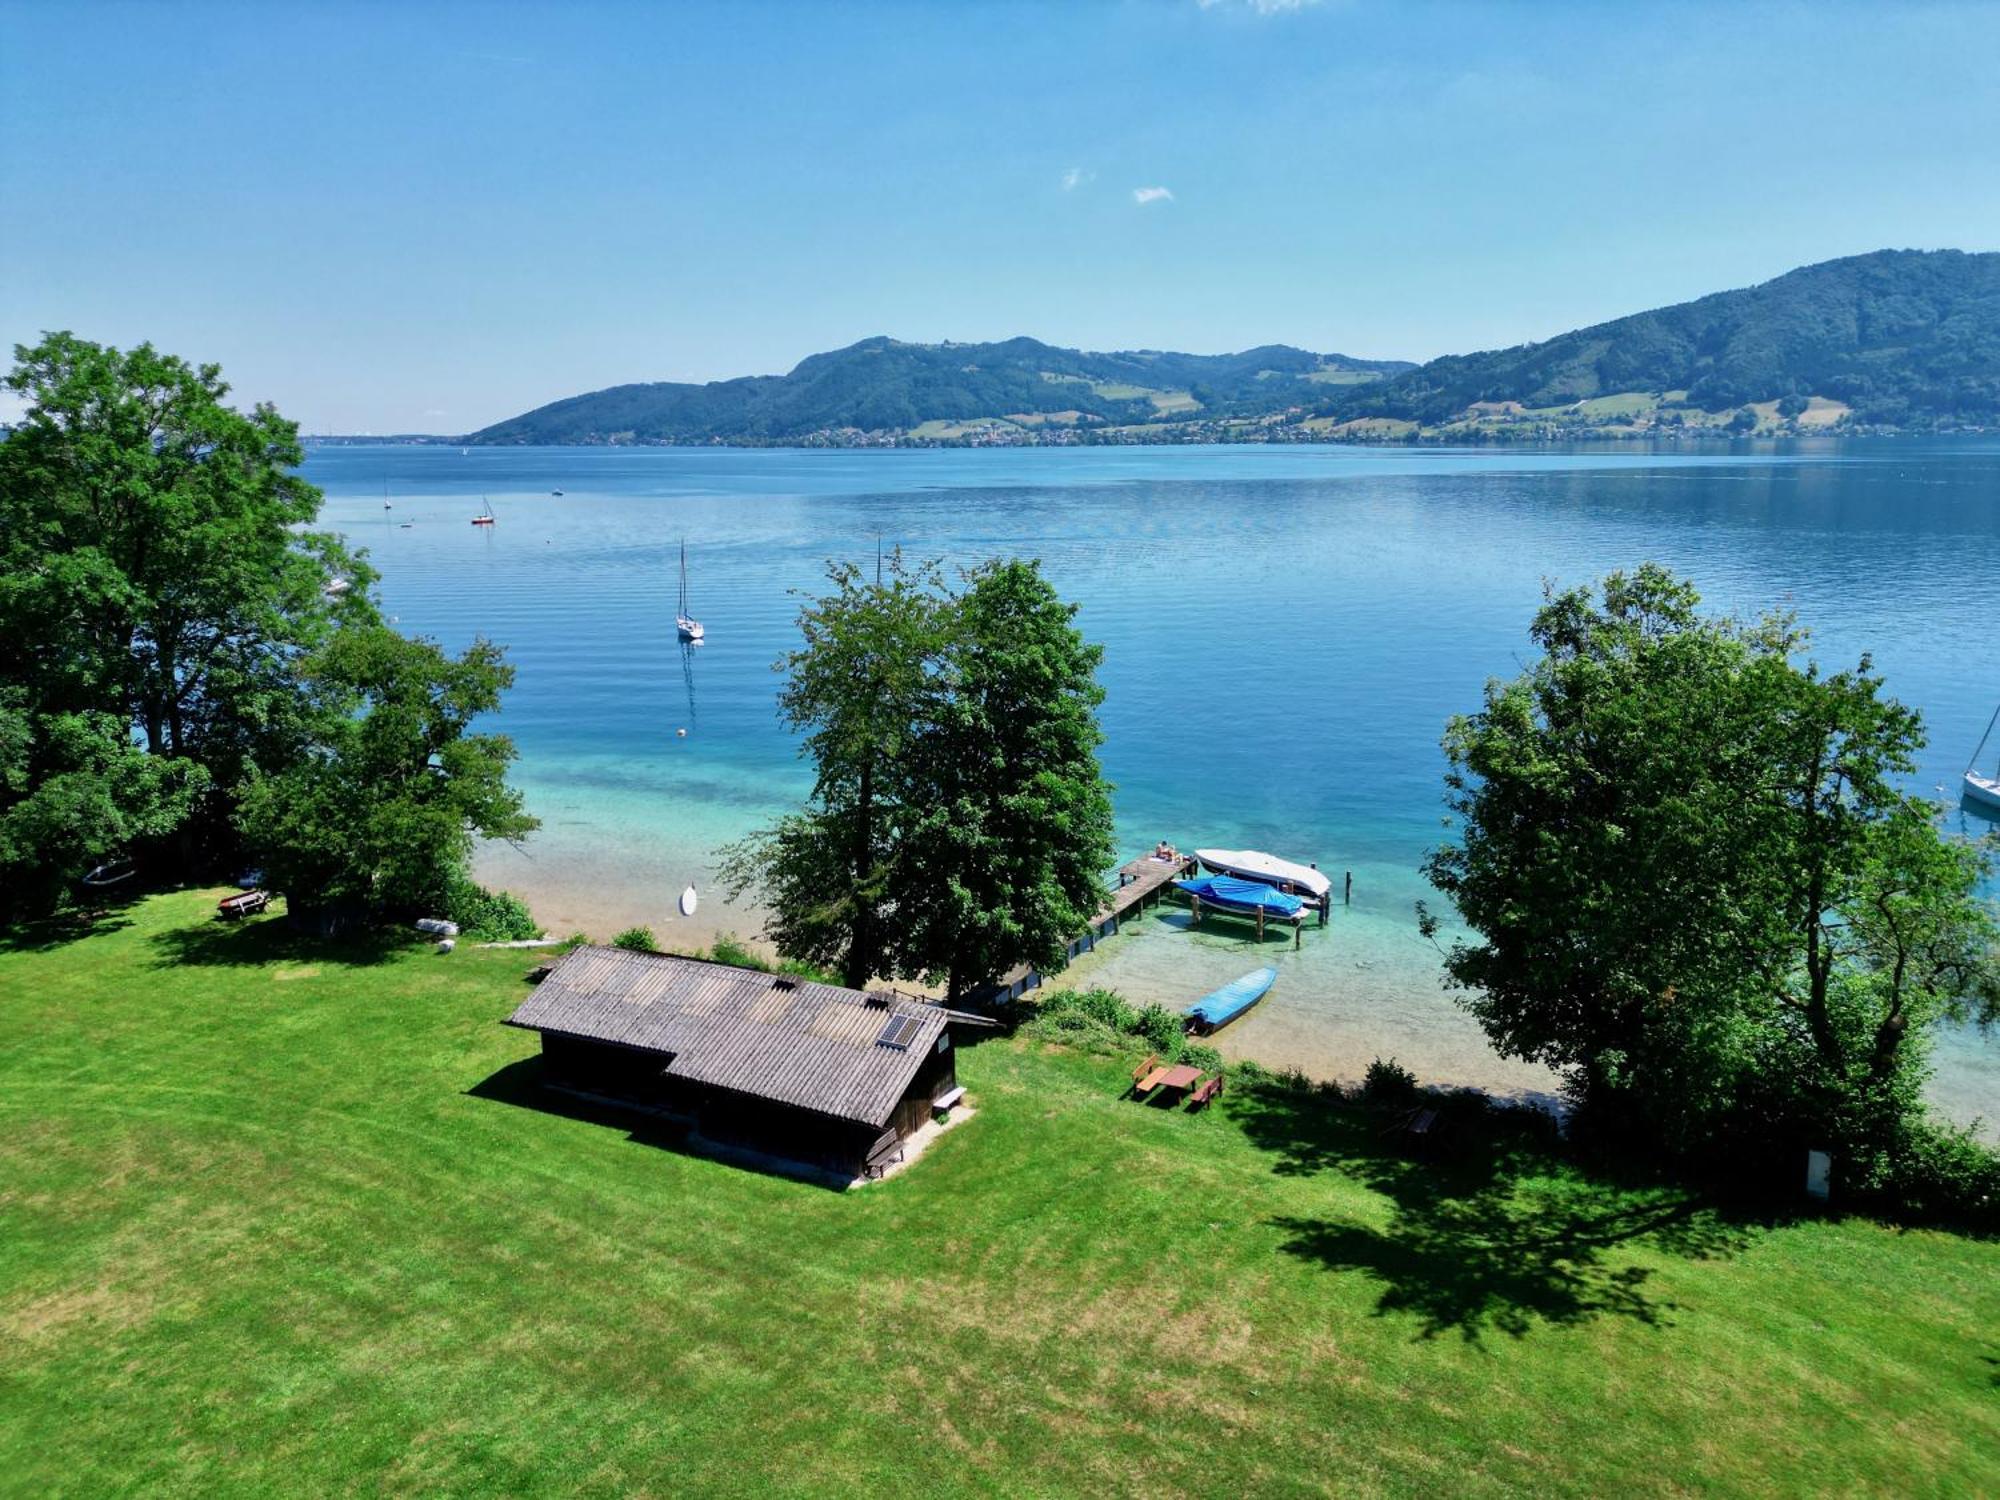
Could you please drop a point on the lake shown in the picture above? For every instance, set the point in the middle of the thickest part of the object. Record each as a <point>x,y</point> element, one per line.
<point>1286,630</point>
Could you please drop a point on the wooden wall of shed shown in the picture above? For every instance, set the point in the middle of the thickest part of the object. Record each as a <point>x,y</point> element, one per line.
<point>724,1115</point>
<point>938,1075</point>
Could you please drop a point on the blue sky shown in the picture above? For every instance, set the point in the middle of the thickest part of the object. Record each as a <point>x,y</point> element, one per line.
<point>429,217</point>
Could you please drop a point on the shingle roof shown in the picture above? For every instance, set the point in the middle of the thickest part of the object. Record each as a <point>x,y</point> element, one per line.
<point>811,1045</point>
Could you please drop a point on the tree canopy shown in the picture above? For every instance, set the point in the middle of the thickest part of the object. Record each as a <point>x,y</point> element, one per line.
<point>959,822</point>
<point>1008,831</point>
<point>1697,884</point>
<point>380,812</point>
<point>172,631</point>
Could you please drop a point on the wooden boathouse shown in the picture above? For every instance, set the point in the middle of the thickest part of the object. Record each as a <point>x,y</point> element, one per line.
<point>832,1077</point>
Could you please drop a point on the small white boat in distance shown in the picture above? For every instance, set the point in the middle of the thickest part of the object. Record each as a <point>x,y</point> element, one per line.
<point>1255,864</point>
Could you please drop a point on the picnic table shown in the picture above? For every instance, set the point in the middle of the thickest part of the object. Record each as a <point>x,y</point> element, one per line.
<point>1178,1078</point>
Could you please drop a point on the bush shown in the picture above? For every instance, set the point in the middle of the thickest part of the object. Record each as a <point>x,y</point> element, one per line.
<point>494,916</point>
<point>1205,1057</point>
<point>1161,1028</point>
<point>638,939</point>
<point>1102,1021</point>
<point>728,948</point>
<point>1937,1174</point>
<point>1107,1007</point>
<point>1388,1083</point>
<point>1252,1075</point>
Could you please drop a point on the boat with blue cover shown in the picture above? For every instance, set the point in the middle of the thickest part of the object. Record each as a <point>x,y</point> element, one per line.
<point>1219,1007</point>
<point>1245,897</point>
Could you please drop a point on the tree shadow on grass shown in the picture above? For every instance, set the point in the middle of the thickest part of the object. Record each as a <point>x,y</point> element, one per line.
<point>269,940</point>
<point>44,934</point>
<point>1489,1230</point>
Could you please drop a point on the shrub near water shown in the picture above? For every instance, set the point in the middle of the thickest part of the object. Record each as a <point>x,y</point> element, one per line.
<point>495,916</point>
<point>1102,1021</point>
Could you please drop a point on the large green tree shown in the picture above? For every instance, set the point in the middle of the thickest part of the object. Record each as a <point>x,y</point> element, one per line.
<point>959,823</point>
<point>379,815</point>
<point>1007,831</point>
<point>154,573</point>
<point>856,690</point>
<point>1696,883</point>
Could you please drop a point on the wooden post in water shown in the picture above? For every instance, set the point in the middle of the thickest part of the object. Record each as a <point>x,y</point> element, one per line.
<point>1299,933</point>
<point>1196,901</point>
<point>1260,924</point>
<point>1347,895</point>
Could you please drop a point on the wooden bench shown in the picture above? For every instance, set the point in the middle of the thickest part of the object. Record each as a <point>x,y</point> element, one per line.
<point>248,904</point>
<point>1204,1092</point>
<point>942,1105</point>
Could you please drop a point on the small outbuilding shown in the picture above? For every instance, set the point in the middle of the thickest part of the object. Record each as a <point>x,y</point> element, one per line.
<point>816,1073</point>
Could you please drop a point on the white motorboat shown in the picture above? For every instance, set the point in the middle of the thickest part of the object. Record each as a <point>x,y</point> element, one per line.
<point>1255,864</point>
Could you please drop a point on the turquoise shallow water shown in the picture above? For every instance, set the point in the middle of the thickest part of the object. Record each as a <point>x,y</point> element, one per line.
<point>1285,629</point>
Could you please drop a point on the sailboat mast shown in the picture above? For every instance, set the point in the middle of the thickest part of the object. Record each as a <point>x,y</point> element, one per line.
<point>1973,764</point>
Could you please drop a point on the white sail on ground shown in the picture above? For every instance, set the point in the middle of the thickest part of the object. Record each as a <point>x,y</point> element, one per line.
<point>1255,864</point>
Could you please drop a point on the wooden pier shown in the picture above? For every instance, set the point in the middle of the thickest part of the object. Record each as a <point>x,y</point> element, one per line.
<point>1141,880</point>
<point>1144,879</point>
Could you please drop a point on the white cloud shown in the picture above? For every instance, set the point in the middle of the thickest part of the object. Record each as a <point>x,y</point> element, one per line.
<point>1152,195</point>
<point>1262,7</point>
<point>1075,178</point>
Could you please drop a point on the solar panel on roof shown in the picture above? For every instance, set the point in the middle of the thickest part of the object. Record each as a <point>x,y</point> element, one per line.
<point>897,1032</point>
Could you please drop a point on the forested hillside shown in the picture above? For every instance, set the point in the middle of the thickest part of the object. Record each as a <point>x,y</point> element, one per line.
<point>1902,337</point>
<point>885,385</point>
<point>1896,339</point>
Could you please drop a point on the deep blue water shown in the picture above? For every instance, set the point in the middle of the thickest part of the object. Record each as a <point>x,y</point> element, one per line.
<point>1285,629</point>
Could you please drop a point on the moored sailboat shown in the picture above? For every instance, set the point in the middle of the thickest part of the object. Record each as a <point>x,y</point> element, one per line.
<point>688,626</point>
<point>1977,787</point>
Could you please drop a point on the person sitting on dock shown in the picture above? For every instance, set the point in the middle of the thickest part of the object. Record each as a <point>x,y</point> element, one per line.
<point>1165,850</point>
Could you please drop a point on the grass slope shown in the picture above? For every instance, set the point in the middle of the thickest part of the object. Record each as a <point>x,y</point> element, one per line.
<point>279,1219</point>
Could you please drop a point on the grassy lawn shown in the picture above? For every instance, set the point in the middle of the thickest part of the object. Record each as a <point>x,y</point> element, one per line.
<point>278,1218</point>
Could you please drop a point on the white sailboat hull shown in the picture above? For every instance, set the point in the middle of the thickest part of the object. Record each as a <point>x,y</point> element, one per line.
<point>1984,790</point>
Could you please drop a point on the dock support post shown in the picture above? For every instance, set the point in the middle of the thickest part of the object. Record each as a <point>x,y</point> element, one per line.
<point>1347,894</point>
<point>1299,934</point>
<point>1260,924</point>
<point>1196,901</point>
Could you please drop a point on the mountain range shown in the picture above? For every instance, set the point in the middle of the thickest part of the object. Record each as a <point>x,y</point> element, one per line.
<point>1895,339</point>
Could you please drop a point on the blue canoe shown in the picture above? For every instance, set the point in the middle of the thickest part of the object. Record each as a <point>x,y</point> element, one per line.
<point>1227,893</point>
<point>1220,1007</point>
